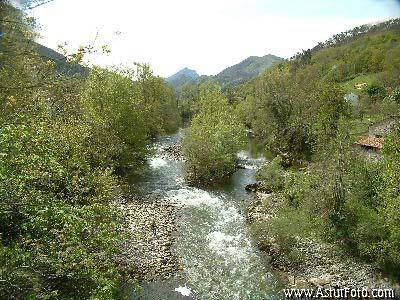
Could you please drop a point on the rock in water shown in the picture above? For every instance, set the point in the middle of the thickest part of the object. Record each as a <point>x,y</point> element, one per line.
<point>184,291</point>
<point>253,187</point>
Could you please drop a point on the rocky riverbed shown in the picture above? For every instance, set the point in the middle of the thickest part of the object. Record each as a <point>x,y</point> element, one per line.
<point>174,152</point>
<point>151,227</point>
<point>320,264</point>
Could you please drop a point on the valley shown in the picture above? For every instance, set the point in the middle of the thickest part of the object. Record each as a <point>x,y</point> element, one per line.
<point>274,174</point>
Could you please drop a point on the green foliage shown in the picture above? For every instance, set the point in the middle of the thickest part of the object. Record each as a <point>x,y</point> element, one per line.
<point>272,176</point>
<point>371,205</point>
<point>297,110</point>
<point>346,198</point>
<point>62,141</point>
<point>376,90</point>
<point>188,97</point>
<point>368,54</point>
<point>159,101</point>
<point>342,195</point>
<point>369,58</point>
<point>55,220</point>
<point>130,106</point>
<point>368,79</point>
<point>285,231</point>
<point>395,96</point>
<point>294,114</point>
<point>214,138</point>
<point>387,248</point>
<point>113,103</point>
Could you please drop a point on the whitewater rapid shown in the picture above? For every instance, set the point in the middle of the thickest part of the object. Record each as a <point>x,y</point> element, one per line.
<point>213,244</point>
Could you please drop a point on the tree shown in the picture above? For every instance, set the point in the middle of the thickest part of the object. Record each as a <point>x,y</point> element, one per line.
<point>31,4</point>
<point>59,234</point>
<point>214,137</point>
<point>114,104</point>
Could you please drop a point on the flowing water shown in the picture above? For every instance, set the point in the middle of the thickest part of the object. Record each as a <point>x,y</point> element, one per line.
<point>212,240</point>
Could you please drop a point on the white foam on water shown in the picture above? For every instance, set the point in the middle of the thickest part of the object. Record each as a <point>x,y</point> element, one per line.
<point>183,290</point>
<point>180,180</point>
<point>219,260</point>
<point>157,162</point>
<point>189,196</point>
<point>229,215</point>
<point>249,167</point>
<point>242,155</point>
<point>247,162</point>
<point>233,248</point>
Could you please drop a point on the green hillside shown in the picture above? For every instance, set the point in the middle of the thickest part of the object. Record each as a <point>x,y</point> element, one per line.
<point>328,187</point>
<point>247,69</point>
<point>60,60</point>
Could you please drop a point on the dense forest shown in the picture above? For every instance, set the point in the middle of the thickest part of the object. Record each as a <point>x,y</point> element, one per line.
<point>70,139</point>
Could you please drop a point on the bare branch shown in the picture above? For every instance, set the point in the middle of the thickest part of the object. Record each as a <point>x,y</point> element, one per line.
<point>38,4</point>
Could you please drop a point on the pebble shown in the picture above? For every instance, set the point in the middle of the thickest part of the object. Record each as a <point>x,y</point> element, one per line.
<point>151,225</point>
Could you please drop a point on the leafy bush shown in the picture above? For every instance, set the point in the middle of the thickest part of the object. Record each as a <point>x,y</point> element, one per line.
<point>377,225</point>
<point>376,90</point>
<point>396,95</point>
<point>272,176</point>
<point>297,110</point>
<point>58,233</point>
<point>294,113</point>
<point>348,198</point>
<point>213,139</point>
<point>112,104</point>
<point>284,231</point>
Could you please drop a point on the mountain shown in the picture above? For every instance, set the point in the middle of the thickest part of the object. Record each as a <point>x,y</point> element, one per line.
<point>63,66</point>
<point>186,72</point>
<point>246,70</point>
<point>183,77</point>
<point>242,72</point>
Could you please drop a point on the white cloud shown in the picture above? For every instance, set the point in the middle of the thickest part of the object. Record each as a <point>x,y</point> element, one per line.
<point>206,35</point>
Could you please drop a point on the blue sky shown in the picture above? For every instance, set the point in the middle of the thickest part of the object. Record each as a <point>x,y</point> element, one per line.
<point>206,35</point>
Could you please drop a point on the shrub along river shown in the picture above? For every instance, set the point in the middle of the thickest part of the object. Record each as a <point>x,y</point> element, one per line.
<point>218,258</point>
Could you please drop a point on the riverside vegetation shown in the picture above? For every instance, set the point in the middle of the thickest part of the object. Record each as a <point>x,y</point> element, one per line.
<point>67,142</point>
<point>298,109</point>
<point>327,189</point>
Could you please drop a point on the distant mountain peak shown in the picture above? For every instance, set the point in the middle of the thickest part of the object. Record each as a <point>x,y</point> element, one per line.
<point>232,76</point>
<point>186,69</point>
<point>183,77</point>
<point>184,72</point>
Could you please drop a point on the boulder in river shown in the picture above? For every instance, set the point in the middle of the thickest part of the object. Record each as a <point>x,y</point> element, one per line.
<point>253,187</point>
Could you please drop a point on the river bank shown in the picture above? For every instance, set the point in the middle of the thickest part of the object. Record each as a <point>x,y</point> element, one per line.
<point>317,263</point>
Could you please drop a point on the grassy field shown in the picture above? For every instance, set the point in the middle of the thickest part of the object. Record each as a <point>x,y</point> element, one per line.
<point>368,79</point>
<point>360,127</point>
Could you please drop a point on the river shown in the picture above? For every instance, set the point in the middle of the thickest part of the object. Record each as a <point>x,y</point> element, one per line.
<point>213,244</point>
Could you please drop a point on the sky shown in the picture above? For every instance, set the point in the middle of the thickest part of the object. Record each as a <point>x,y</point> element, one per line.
<point>204,35</point>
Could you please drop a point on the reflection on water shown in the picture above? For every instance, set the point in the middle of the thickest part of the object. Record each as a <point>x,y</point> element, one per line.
<point>219,260</point>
